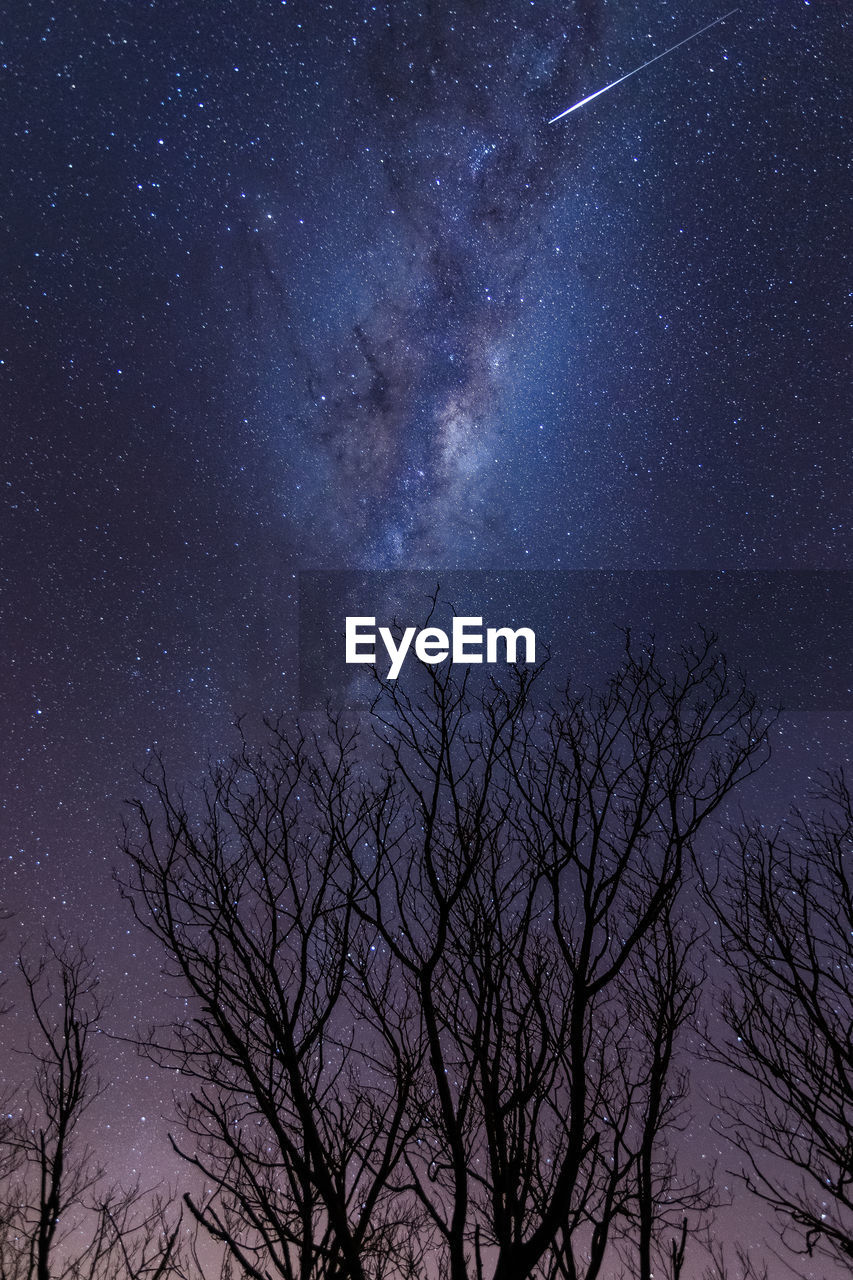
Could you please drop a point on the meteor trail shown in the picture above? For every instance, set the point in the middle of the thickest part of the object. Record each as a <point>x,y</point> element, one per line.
<point>628,74</point>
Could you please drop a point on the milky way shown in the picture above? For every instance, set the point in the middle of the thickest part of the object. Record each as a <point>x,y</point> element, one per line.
<point>452,111</point>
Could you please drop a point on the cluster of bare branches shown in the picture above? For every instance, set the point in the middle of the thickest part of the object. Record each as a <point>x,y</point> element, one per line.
<point>439,974</point>
<point>60,1218</point>
<point>785,906</point>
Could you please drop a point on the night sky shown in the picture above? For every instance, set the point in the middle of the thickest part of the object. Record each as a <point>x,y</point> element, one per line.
<point>310,286</point>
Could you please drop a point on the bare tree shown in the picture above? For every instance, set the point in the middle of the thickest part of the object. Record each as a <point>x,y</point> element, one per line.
<point>514,893</point>
<point>293,1129</point>
<point>413,958</point>
<point>786,912</point>
<point>59,1219</point>
<point>662,993</point>
<point>65,1004</point>
<point>11,1149</point>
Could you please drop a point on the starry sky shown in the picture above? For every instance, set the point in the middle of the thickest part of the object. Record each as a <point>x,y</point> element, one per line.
<point>296,287</point>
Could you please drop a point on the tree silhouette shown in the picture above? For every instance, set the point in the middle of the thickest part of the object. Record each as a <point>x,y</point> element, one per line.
<point>255,905</point>
<point>662,992</point>
<point>786,913</point>
<point>59,1218</point>
<point>421,1026</point>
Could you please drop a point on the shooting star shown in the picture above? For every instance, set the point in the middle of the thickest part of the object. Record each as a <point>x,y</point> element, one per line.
<point>628,74</point>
